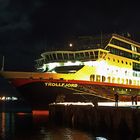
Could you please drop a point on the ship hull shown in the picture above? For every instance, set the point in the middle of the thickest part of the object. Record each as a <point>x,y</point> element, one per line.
<point>39,94</point>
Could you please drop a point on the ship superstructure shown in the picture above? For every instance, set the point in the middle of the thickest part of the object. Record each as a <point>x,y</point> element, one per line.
<point>114,59</point>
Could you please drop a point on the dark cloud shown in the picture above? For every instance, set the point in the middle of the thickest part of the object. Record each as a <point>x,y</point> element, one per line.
<point>16,41</point>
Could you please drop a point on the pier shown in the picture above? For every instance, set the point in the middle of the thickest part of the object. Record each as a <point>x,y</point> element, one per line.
<point>108,117</point>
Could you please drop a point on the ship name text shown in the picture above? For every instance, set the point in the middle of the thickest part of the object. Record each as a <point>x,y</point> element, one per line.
<point>61,84</point>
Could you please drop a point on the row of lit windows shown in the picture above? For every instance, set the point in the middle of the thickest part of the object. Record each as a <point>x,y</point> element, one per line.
<point>135,74</point>
<point>123,62</point>
<point>41,62</point>
<point>71,56</point>
<point>125,45</point>
<point>120,43</point>
<point>99,78</point>
<point>123,53</point>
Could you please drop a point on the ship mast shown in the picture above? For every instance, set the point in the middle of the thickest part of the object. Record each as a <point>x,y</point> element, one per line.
<point>2,68</point>
<point>101,39</point>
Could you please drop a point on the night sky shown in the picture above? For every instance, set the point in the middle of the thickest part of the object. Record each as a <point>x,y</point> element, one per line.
<point>30,27</point>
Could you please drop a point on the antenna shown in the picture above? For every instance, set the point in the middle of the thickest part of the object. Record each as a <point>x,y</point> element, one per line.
<point>101,39</point>
<point>2,68</point>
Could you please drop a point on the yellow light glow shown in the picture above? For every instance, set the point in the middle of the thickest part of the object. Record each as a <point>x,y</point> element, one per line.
<point>70,44</point>
<point>120,104</point>
<point>52,66</point>
<point>4,98</point>
<point>44,67</point>
<point>69,63</point>
<point>89,63</point>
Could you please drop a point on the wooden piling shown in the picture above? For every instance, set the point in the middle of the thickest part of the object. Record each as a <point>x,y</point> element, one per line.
<point>111,118</point>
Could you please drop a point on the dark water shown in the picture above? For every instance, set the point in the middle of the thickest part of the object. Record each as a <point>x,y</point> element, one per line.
<point>17,126</point>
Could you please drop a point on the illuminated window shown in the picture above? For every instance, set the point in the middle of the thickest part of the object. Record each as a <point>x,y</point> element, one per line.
<point>103,78</point>
<point>122,81</point>
<point>98,78</point>
<point>130,81</point>
<point>113,80</point>
<point>118,80</point>
<point>108,79</point>
<point>134,82</point>
<point>127,81</point>
<point>92,77</point>
<point>138,82</point>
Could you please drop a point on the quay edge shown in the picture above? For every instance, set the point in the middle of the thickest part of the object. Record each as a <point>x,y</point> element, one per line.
<point>119,119</point>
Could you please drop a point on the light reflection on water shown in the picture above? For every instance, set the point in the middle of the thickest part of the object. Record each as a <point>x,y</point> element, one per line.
<point>35,127</point>
<point>6,125</point>
<point>20,126</point>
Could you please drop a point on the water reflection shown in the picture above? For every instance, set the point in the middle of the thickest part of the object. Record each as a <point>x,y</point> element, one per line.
<point>21,126</point>
<point>65,134</point>
<point>7,125</point>
<point>36,126</point>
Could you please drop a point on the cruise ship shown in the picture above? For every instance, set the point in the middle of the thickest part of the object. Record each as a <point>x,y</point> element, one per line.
<point>87,69</point>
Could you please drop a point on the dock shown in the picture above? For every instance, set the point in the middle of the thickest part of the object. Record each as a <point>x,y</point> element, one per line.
<point>107,116</point>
